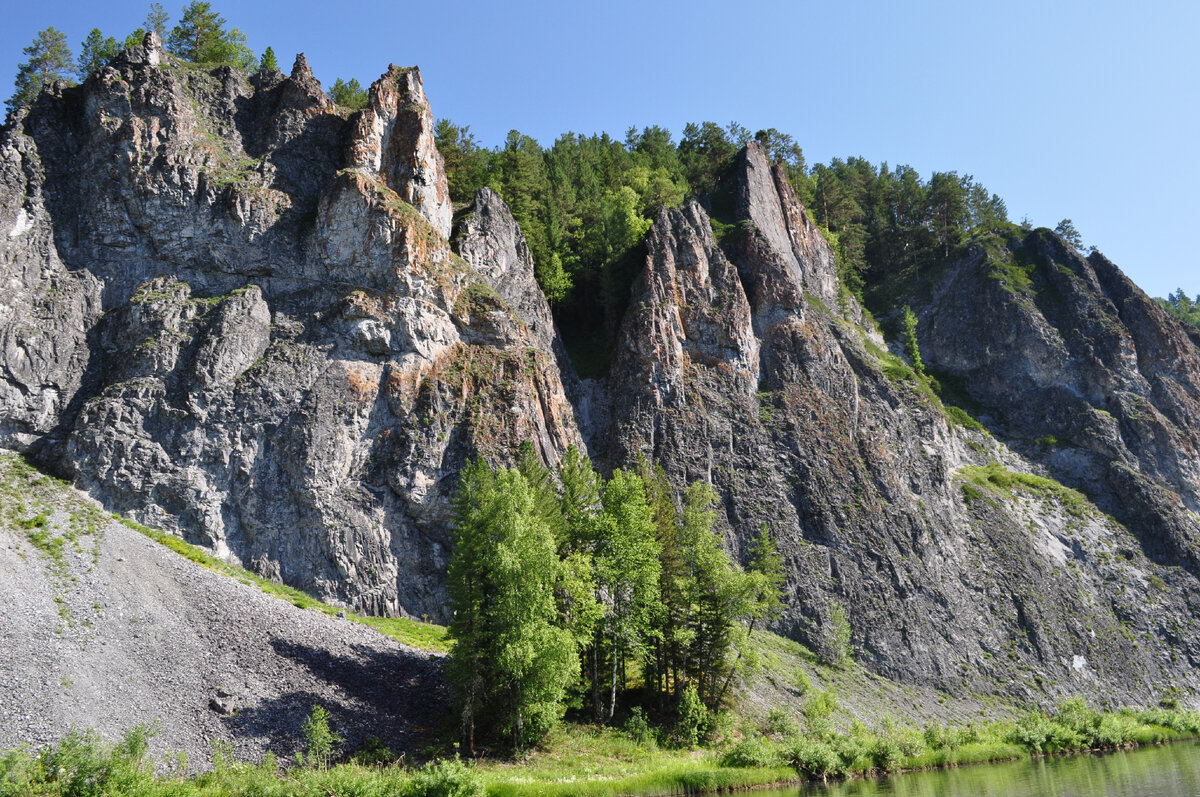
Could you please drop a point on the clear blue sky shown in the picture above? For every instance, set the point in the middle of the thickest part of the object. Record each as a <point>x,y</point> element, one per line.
<point>1087,110</point>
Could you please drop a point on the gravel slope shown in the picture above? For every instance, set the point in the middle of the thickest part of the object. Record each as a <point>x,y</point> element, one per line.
<point>118,630</point>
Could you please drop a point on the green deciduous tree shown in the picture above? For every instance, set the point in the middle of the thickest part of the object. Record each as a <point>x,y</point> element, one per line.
<point>911,349</point>
<point>201,37</point>
<point>511,662</point>
<point>627,571</point>
<point>321,742</point>
<point>49,60</point>
<point>96,52</point>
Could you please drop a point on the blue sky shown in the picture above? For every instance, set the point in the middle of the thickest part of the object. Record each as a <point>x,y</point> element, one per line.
<point>1086,110</point>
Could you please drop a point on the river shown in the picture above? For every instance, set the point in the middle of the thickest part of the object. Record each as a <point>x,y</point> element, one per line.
<point>1171,770</point>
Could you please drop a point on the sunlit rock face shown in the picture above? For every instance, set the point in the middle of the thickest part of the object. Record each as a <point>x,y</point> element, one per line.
<point>231,311</point>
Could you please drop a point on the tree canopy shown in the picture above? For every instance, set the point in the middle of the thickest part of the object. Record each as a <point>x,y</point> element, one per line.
<point>566,585</point>
<point>348,94</point>
<point>96,52</point>
<point>1179,305</point>
<point>50,59</point>
<point>201,37</point>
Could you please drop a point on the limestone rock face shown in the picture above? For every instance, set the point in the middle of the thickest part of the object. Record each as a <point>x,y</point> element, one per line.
<point>393,140</point>
<point>233,313</point>
<point>740,365</point>
<point>490,240</point>
<point>245,338</point>
<point>1083,372</point>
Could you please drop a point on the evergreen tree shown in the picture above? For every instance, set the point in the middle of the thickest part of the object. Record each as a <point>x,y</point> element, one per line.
<point>1181,307</point>
<point>349,94</point>
<point>156,20</point>
<point>96,52</point>
<point>134,39</point>
<point>466,162</point>
<point>706,152</point>
<point>201,37</point>
<point>268,63</point>
<point>1066,229</point>
<point>49,60</point>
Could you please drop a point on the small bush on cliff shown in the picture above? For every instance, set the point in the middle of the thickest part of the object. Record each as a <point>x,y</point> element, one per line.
<point>911,348</point>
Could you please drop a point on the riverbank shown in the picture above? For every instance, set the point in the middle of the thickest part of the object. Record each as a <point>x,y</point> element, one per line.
<point>584,761</point>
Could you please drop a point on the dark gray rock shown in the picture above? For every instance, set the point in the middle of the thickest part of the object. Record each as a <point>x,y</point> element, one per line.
<point>291,364</point>
<point>255,334</point>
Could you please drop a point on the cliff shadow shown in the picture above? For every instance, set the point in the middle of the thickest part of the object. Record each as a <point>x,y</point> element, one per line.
<point>398,696</point>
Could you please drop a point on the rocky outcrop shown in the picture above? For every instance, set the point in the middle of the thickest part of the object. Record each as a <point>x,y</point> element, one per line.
<point>253,340</point>
<point>255,334</point>
<point>393,140</point>
<point>741,366</point>
<point>1081,371</point>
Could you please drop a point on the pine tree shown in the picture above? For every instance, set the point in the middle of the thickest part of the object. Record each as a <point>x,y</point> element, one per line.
<point>49,60</point>
<point>96,52</point>
<point>466,162</point>
<point>349,94</point>
<point>268,62</point>
<point>201,37</point>
<point>156,20</point>
<point>1066,229</point>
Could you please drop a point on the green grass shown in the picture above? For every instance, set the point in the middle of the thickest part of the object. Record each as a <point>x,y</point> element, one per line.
<point>425,636</point>
<point>960,417</point>
<point>997,480</point>
<point>588,761</point>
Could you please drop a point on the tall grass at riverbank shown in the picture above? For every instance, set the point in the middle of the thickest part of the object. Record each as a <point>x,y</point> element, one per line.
<point>584,761</point>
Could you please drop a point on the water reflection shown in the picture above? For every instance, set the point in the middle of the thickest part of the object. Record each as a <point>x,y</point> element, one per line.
<point>1166,771</point>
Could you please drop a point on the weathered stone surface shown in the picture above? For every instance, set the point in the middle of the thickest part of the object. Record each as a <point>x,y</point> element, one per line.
<point>735,369</point>
<point>1083,373</point>
<point>293,363</point>
<point>254,333</point>
<point>393,140</point>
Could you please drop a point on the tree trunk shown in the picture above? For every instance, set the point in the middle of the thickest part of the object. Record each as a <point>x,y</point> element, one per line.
<point>612,696</point>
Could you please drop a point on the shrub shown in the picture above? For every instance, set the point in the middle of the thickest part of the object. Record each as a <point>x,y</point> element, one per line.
<point>818,711</point>
<point>638,728</point>
<point>446,778</point>
<point>693,718</point>
<point>374,753</point>
<point>815,758</point>
<point>753,751</point>
<point>885,754</point>
<point>320,741</point>
<point>781,724</point>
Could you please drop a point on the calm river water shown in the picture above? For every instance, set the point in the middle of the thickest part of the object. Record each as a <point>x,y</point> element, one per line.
<point>1171,770</point>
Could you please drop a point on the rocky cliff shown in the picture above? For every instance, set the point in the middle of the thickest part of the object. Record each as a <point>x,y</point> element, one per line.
<point>235,315</point>
<point>232,311</point>
<point>742,365</point>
